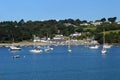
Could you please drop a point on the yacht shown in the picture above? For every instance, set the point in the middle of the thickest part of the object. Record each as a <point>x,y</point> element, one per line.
<point>69,49</point>
<point>14,48</point>
<point>94,47</point>
<point>104,49</point>
<point>107,46</point>
<point>35,49</point>
<point>48,48</point>
<point>69,46</point>
<point>94,43</point>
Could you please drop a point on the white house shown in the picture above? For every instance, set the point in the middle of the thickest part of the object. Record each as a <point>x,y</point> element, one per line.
<point>36,39</point>
<point>118,22</point>
<point>96,23</point>
<point>76,34</point>
<point>84,24</point>
<point>58,37</point>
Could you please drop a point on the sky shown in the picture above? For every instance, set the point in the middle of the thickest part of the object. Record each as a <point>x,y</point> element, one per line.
<point>90,10</point>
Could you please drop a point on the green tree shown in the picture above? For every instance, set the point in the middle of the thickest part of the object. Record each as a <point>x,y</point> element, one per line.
<point>112,19</point>
<point>103,20</point>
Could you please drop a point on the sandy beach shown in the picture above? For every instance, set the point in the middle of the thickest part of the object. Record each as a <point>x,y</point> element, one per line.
<point>28,43</point>
<point>24,43</point>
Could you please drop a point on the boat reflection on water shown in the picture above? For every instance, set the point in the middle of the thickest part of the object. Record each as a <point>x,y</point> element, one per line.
<point>16,56</point>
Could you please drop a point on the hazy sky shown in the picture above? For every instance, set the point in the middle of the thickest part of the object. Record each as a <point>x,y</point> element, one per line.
<point>58,9</point>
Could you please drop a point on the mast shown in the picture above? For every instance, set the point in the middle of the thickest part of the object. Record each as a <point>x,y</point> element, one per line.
<point>69,47</point>
<point>103,49</point>
<point>34,40</point>
<point>103,36</point>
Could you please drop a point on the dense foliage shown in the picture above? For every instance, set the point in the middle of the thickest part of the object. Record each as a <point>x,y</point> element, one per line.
<point>22,30</point>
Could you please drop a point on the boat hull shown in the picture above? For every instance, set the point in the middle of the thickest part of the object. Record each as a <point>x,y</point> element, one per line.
<point>36,51</point>
<point>14,48</point>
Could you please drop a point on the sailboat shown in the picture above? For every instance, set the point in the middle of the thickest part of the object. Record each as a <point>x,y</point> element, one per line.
<point>35,49</point>
<point>69,46</point>
<point>13,47</point>
<point>104,49</point>
<point>48,48</point>
<point>94,45</point>
<point>107,46</point>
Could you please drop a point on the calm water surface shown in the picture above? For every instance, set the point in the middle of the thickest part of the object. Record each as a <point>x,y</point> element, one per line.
<point>81,64</point>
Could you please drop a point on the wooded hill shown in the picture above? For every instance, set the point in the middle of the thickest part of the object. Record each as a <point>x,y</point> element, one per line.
<point>22,30</point>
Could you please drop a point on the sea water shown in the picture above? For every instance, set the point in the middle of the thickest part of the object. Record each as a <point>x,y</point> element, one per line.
<point>59,64</point>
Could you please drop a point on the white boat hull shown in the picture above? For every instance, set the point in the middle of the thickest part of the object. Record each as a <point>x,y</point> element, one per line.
<point>48,49</point>
<point>103,51</point>
<point>94,47</point>
<point>35,51</point>
<point>14,48</point>
<point>69,50</point>
<point>107,46</point>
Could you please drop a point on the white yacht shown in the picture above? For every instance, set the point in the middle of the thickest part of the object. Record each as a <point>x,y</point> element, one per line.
<point>69,49</point>
<point>104,49</point>
<point>69,46</point>
<point>94,47</point>
<point>107,46</point>
<point>48,48</point>
<point>94,44</point>
<point>35,49</point>
<point>14,48</point>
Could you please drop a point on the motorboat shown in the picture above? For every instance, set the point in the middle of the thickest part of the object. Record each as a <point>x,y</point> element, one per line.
<point>69,46</point>
<point>48,49</point>
<point>104,51</point>
<point>107,46</point>
<point>94,47</point>
<point>14,48</point>
<point>36,51</point>
<point>69,50</point>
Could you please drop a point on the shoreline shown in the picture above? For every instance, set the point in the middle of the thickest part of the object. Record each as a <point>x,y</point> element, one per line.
<point>27,43</point>
<point>22,44</point>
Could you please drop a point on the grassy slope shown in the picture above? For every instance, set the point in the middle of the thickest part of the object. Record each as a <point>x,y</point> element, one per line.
<point>114,31</point>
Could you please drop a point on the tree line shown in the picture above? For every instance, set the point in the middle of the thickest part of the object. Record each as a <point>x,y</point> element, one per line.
<point>21,30</point>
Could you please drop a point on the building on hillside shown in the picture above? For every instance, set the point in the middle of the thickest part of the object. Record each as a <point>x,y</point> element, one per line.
<point>58,39</point>
<point>43,40</point>
<point>36,39</point>
<point>67,24</point>
<point>75,34</point>
<point>84,24</point>
<point>118,22</point>
<point>96,23</point>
